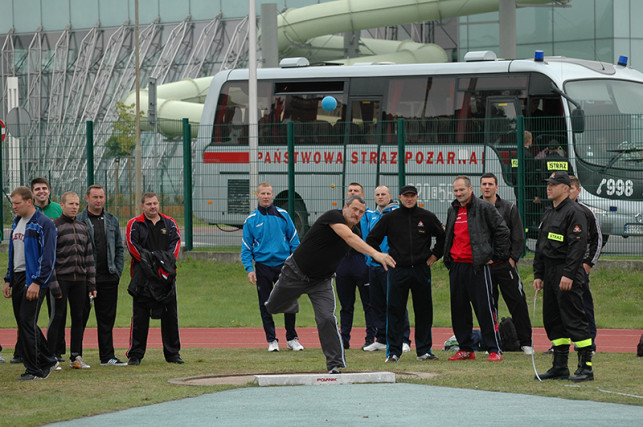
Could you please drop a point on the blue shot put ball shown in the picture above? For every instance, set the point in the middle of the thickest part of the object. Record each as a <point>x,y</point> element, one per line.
<point>329,103</point>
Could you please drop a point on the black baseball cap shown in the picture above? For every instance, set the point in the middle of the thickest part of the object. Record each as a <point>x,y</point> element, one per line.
<point>408,189</point>
<point>559,177</point>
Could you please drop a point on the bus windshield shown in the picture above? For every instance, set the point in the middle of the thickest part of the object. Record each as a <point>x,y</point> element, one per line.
<point>613,137</point>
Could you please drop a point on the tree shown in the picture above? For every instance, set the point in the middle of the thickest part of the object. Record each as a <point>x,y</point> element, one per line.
<point>123,140</point>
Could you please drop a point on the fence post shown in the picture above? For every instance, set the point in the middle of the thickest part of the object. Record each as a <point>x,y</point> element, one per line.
<point>187,183</point>
<point>401,154</point>
<point>291,169</point>
<point>520,150</point>
<point>90,152</point>
<point>1,196</point>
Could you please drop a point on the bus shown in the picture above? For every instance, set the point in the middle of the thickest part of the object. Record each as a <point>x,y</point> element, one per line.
<point>450,119</point>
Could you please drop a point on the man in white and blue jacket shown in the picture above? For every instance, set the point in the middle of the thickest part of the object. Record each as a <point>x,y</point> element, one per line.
<point>269,237</point>
<point>32,256</point>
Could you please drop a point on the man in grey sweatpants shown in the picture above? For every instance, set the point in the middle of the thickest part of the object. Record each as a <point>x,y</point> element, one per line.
<point>310,268</point>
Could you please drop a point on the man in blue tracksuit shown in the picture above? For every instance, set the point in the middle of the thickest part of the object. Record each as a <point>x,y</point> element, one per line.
<point>378,277</point>
<point>269,237</point>
<point>32,255</point>
<point>352,276</point>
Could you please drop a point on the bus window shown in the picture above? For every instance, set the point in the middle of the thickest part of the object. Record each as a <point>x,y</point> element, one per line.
<point>231,117</point>
<point>363,126</point>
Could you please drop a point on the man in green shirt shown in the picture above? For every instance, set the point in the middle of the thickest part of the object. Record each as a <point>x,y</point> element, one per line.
<point>41,192</point>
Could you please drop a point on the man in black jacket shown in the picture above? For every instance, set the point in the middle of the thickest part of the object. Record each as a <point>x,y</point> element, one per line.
<point>505,274</point>
<point>149,232</point>
<point>558,271</point>
<point>410,230</point>
<point>476,237</point>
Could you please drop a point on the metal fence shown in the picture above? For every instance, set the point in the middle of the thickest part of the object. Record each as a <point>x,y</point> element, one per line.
<point>212,203</point>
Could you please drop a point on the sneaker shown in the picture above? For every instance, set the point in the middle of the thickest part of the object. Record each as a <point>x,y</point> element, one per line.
<point>550,351</point>
<point>16,359</point>
<point>79,363</point>
<point>273,346</point>
<point>59,358</point>
<point>2,359</point>
<point>463,355</point>
<point>176,359</point>
<point>113,362</point>
<point>495,357</point>
<point>29,377</point>
<point>406,348</point>
<point>428,356</point>
<point>52,368</point>
<point>294,345</point>
<point>391,359</point>
<point>133,361</point>
<point>527,349</point>
<point>376,346</point>
<point>334,371</point>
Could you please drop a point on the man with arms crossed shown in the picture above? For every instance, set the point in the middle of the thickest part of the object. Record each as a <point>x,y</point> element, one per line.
<point>107,242</point>
<point>310,269</point>
<point>505,274</point>
<point>269,237</point>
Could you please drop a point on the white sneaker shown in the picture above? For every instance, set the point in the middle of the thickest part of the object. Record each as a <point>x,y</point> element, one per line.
<point>406,348</point>
<point>2,359</point>
<point>294,345</point>
<point>273,346</point>
<point>376,346</point>
<point>79,363</point>
<point>528,350</point>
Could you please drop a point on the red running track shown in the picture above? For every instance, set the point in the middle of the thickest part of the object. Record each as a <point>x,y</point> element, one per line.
<point>608,340</point>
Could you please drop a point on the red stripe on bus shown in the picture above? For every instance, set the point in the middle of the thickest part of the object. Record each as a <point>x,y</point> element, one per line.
<point>225,157</point>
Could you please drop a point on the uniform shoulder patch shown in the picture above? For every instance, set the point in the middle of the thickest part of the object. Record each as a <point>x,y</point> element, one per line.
<point>577,229</point>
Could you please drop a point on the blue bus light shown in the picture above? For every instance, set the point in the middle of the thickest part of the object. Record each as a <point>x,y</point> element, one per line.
<point>539,56</point>
<point>613,208</point>
<point>622,60</point>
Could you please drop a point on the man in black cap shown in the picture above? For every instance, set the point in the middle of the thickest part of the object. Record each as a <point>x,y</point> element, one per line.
<point>410,230</point>
<point>558,271</point>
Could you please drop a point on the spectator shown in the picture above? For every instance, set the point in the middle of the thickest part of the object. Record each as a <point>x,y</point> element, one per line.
<point>269,237</point>
<point>310,268</point>
<point>558,271</point>
<point>476,237</point>
<point>42,198</point>
<point>107,243</point>
<point>352,276</point>
<point>153,241</point>
<point>594,246</point>
<point>378,278</point>
<point>32,254</point>
<point>505,274</point>
<point>75,274</point>
<point>410,230</point>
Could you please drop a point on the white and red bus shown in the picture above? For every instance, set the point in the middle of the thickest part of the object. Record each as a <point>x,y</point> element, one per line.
<point>459,119</point>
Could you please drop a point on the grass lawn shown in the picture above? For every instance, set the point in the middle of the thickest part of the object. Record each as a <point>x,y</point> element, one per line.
<point>219,295</point>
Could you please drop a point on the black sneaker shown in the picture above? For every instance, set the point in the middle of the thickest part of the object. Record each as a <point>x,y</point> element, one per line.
<point>428,356</point>
<point>51,369</point>
<point>550,351</point>
<point>334,371</point>
<point>59,358</point>
<point>133,361</point>
<point>114,361</point>
<point>29,377</point>
<point>176,359</point>
<point>17,359</point>
<point>392,359</point>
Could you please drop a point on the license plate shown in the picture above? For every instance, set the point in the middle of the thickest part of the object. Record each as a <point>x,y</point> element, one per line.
<point>633,228</point>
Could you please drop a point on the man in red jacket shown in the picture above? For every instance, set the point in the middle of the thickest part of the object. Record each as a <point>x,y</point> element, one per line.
<point>152,231</point>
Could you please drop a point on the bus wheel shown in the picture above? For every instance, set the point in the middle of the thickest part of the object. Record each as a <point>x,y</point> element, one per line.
<point>605,238</point>
<point>300,218</point>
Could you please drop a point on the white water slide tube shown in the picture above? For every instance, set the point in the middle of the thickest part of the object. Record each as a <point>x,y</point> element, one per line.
<point>307,29</point>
